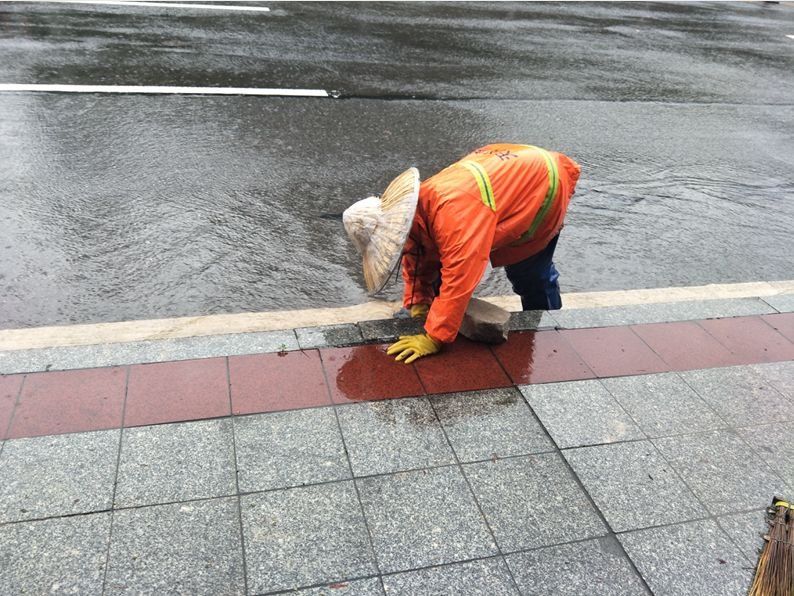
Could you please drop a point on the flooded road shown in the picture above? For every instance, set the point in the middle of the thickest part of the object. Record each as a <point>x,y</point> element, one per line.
<point>131,207</point>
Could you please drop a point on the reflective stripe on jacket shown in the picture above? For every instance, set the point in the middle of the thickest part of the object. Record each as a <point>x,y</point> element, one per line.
<point>498,203</point>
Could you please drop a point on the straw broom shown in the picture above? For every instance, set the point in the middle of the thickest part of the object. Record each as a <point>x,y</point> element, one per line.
<point>774,575</point>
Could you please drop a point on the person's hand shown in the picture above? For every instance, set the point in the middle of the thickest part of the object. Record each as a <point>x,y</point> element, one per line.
<point>419,311</point>
<point>412,347</point>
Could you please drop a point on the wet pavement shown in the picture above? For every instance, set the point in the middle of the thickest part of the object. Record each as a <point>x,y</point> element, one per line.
<point>116,208</point>
<point>633,454</point>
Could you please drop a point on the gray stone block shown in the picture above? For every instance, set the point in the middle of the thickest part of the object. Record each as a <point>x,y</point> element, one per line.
<point>779,374</point>
<point>328,336</point>
<point>360,587</point>
<point>774,443</point>
<point>167,350</point>
<point>580,413</point>
<point>747,531</point>
<point>57,475</point>
<point>487,424</point>
<point>594,567</point>
<point>176,462</point>
<point>386,330</point>
<point>181,548</point>
<point>692,558</point>
<point>485,322</point>
<point>392,436</point>
<point>285,449</point>
<point>629,481</point>
<point>305,536</point>
<point>722,471</point>
<point>740,395</point>
<point>533,501</point>
<point>423,518</point>
<point>781,302</point>
<point>532,320</point>
<point>663,312</point>
<point>663,404</point>
<point>485,577</point>
<point>54,556</point>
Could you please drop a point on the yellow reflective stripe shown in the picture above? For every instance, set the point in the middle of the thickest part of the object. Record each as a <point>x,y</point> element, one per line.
<point>483,182</point>
<point>554,182</point>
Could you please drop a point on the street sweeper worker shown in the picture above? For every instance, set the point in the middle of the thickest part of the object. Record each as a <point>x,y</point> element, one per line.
<point>502,203</point>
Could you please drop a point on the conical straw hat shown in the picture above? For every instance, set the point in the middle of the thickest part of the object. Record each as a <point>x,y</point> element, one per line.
<point>379,227</point>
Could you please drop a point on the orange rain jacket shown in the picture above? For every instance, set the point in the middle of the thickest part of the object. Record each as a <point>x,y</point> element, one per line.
<point>482,207</point>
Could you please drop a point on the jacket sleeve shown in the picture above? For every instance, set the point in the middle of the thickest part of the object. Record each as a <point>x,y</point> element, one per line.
<point>419,274</point>
<point>463,230</point>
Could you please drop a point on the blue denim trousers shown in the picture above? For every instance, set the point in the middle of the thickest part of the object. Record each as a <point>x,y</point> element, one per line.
<point>535,279</point>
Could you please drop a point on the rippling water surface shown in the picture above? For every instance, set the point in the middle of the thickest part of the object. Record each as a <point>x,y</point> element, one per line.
<point>115,208</point>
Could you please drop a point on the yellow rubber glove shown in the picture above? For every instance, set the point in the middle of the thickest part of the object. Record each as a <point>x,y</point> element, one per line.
<point>419,311</point>
<point>411,347</point>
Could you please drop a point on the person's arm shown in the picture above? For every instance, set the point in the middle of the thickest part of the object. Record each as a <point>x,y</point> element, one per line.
<point>463,231</point>
<point>419,274</point>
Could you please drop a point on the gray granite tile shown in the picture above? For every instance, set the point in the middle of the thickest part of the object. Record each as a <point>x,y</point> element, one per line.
<point>531,320</point>
<point>580,413</point>
<point>636,314</point>
<point>740,395</point>
<point>774,443</point>
<point>486,424</point>
<point>392,436</point>
<point>692,558</point>
<point>305,536</point>
<point>628,480</point>
<point>594,567</point>
<point>167,350</point>
<point>360,587</point>
<point>779,374</point>
<point>57,475</point>
<point>721,470</point>
<point>581,318</point>
<point>533,501</point>
<point>389,329</point>
<point>328,336</point>
<point>423,518</point>
<point>181,548</point>
<point>485,577</point>
<point>747,531</point>
<point>663,404</point>
<point>222,345</point>
<point>781,302</point>
<point>289,449</point>
<point>54,556</point>
<point>176,462</point>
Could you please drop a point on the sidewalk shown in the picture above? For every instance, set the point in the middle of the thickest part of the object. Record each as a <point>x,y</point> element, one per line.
<point>625,450</point>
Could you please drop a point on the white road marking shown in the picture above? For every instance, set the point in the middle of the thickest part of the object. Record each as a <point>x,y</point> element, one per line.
<point>148,4</point>
<point>206,325</point>
<point>162,90</point>
<point>790,36</point>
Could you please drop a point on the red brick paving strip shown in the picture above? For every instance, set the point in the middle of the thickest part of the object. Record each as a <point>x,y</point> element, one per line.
<point>541,357</point>
<point>92,399</point>
<point>685,345</point>
<point>176,391</point>
<point>53,403</point>
<point>366,372</point>
<point>614,351</point>
<point>272,382</point>
<point>463,366</point>
<point>750,339</point>
<point>783,323</point>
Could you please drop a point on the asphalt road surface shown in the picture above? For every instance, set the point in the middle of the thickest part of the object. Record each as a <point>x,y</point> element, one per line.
<point>117,207</point>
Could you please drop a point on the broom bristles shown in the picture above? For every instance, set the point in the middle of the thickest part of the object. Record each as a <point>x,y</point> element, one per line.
<point>774,575</point>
